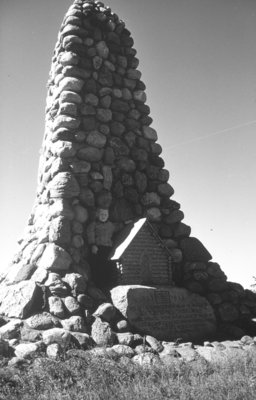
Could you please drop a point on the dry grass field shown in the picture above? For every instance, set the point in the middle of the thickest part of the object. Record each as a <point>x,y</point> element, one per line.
<point>93,378</point>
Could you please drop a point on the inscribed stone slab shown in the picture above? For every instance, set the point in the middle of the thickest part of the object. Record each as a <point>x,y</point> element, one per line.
<point>165,313</point>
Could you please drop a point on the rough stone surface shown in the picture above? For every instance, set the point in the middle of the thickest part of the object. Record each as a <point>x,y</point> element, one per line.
<point>57,335</point>
<point>100,169</point>
<point>74,324</point>
<point>10,330</point>
<point>27,349</point>
<point>55,258</point>
<point>106,311</point>
<point>53,350</point>
<point>56,306</point>
<point>18,300</point>
<point>165,313</point>
<point>72,305</point>
<point>102,333</point>
<point>84,340</point>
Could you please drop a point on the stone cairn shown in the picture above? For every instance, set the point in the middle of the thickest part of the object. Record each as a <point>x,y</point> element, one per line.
<point>100,168</point>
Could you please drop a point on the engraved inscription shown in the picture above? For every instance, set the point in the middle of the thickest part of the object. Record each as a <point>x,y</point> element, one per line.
<point>168,313</point>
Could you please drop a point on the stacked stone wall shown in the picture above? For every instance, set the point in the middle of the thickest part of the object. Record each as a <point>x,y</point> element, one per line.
<point>100,168</point>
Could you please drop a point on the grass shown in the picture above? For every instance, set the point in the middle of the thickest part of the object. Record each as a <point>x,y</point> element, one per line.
<point>103,378</point>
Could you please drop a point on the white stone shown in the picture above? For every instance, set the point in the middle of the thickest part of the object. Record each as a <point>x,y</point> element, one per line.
<point>70,97</point>
<point>53,350</point>
<point>42,320</point>
<point>25,350</point>
<point>17,300</point>
<point>72,84</point>
<point>63,149</point>
<point>123,350</point>
<point>147,359</point>
<point>72,305</point>
<point>61,207</point>
<point>64,121</point>
<point>64,185</point>
<point>76,282</point>
<point>69,58</point>
<point>55,258</point>
<point>74,324</point>
<point>56,306</point>
<point>10,330</point>
<point>57,335</point>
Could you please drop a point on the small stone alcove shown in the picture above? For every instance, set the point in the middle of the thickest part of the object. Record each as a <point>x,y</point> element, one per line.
<point>141,257</point>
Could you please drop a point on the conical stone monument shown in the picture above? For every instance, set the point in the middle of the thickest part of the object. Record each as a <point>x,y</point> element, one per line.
<point>100,171</point>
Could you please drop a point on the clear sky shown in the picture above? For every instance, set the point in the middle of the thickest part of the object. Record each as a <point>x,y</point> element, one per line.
<point>198,61</point>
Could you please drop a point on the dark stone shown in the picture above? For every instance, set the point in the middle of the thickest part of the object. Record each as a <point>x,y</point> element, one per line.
<point>166,231</point>
<point>104,199</point>
<point>139,154</point>
<point>96,186</point>
<point>117,128</point>
<point>118,81</point>
<point>118,189</point>
<point>146,120</point>
<point>120,106</point>
<point>175,216</point>
<point>152,171</point>
<point>143,108</point>
<point>181,230</point>
<point>89,123</point>
<point>132,124</point>
<point>131,195</point>
<point>109,156</point>
<point>228,312</point>
<point>91,85</point>
<point>194,287</point>
<point>105,77</point>
<point>126,164</point>
<point>194,250</point>
<point>217,285</point>
<point>90,154</point>
<point>130,138</point>
<point>120,149</point>
<point>118,116</point>
<point>143,143</point>
<point>87,197</point>
<point>121,211</point>
<point>214,298</point>
<point>156,160</point>
<point>127,179</point>
<point>140,181</point>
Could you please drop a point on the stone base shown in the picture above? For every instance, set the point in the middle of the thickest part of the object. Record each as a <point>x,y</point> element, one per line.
<point>165,313</point>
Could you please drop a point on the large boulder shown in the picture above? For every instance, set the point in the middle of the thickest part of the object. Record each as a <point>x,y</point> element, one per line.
<point>17,301</point>
<point>165,313</point>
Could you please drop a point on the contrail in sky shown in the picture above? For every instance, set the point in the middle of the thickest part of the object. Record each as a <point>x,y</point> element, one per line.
<point>211,134</point>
